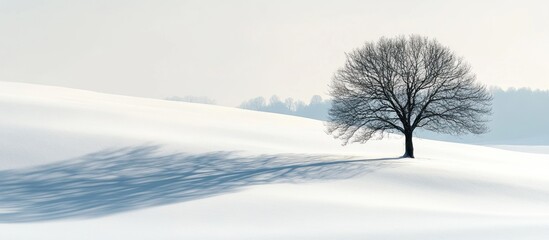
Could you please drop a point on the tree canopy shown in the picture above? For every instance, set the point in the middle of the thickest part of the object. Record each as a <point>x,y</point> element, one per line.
<point>403,83</point>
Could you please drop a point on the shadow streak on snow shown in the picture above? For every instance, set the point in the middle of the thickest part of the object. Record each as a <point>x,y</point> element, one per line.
<point>109,182</point>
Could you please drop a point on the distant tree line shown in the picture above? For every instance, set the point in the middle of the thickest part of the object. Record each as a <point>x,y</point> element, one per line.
<point>193,99</point>
<point>519,116</point>
<point>316,108</point>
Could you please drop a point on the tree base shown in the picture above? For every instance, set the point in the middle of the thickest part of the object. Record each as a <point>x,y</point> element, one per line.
<point>407,156</point>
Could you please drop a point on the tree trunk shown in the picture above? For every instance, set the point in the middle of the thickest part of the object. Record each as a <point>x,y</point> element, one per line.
<point>409,145</point>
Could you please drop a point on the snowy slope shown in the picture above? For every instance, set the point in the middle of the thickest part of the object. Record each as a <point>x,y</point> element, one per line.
<point>84,165</point>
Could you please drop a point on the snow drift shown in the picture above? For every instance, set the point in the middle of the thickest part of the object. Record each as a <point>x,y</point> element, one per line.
<point>82,165</point>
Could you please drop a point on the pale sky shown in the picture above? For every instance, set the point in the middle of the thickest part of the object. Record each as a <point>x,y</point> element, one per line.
<point>235,50</point>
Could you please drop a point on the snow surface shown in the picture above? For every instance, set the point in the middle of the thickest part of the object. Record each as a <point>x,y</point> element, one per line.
<point>525,148</point>
<point>83,165</point>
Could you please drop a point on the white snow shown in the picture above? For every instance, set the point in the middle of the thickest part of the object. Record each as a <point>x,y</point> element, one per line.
<point>525,148</point>
<point>83,165</point>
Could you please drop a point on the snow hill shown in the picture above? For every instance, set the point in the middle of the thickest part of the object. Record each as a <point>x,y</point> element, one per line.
<point>83,165</point>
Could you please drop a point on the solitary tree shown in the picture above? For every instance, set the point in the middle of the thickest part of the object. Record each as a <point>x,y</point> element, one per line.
<point>403,83</point>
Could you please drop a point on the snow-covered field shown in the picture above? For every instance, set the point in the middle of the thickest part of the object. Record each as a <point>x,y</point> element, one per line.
<point>525,148</point>
<point>82,165</point>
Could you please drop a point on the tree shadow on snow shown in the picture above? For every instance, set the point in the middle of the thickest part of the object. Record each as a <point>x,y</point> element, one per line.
<point>109,182</point>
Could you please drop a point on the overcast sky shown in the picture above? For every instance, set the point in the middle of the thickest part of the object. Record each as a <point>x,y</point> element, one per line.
<point>234,50</point>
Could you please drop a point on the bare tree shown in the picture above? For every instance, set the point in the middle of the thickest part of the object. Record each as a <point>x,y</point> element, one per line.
<point>400,84</point>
